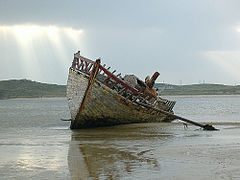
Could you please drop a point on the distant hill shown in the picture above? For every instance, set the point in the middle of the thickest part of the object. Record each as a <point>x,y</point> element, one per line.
<point>30,89</point>
<point>198,89</point>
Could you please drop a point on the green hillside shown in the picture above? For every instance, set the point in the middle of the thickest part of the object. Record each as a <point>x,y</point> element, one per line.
<point>198,89</point>
<point>30,89</point>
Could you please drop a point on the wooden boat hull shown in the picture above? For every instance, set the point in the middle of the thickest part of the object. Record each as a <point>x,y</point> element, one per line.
<point>103,106</point>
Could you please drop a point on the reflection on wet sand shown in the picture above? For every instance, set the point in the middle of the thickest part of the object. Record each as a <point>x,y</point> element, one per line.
<point>112,152</point>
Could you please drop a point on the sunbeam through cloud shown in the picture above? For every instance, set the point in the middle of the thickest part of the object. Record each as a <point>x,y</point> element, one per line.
<point>34,40</point>
<point>229,61</point>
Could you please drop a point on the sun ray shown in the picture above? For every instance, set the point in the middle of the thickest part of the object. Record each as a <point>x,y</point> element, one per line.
<point>32,39</point>
<point>74,35</point>
<point>229,61</point>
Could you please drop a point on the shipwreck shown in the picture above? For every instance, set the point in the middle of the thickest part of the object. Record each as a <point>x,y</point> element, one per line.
<point>98,97</point>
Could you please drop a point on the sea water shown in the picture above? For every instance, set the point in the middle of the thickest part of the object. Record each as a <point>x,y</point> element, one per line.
<point>36,144</point>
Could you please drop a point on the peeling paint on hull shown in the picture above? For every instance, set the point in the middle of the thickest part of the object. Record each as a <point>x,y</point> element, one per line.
<point>104,106</point>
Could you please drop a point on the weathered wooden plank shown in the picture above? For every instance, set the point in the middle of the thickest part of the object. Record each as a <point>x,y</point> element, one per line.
<point>105,106</point>
<point>76,86</point>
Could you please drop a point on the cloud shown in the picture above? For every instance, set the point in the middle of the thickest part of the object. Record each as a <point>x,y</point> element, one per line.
<point>229,61</point>
<point>134,36</point>
<point>27,32</point>
<point>40,49</point>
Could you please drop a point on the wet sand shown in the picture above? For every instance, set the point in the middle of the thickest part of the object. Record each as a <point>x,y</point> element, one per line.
<point>153,151</point>
<point>136,151</point>
<point>36,144</point>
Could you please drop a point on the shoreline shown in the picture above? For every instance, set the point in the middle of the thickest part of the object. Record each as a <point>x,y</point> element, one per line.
<point>35,98</point>
<point>164,96</point>
<point>200,96</point>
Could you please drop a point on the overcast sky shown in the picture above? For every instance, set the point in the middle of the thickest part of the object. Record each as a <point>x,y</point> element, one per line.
<point>188,41</point>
